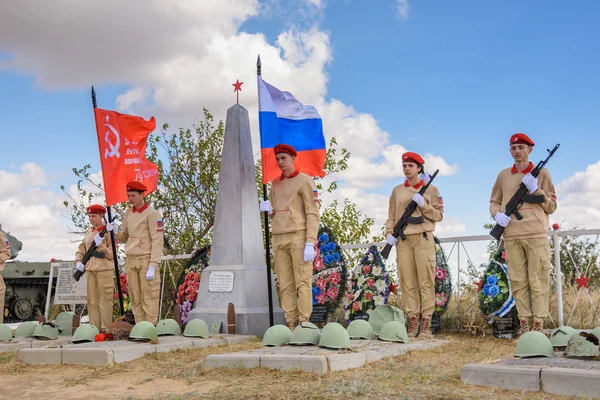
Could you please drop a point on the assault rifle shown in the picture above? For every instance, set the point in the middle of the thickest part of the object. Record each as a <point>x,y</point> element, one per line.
<point>407,218</point>
<point>91,252</point>
<point>512,207</point>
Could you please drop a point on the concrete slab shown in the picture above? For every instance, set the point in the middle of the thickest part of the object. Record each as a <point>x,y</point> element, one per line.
<point>232,360</point>
<point>502,376</point>
<point>38,344</point>
<point>88,356</point>
<point>341,362</point>
<point>41,356</point>
<point>14,346</point>
<point>129,353</point>
<point>291,362</point>
<point>571,382</point>
<point>167,347</point>
<point>210,342</point>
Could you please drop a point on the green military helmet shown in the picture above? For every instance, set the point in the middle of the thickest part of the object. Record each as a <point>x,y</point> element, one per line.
<point>384,314</point>
<point>143,331</point>
<point>64,323</point>
<point>534,344</point>
<point>5,333</point>
<point>85,333</point>
<point>560,336</point>
<point>306,333</point>
<point>334,336</point>
<point>394,331</point>
<point>583,345</point>
<point>360,329</point>
<point>25,329</point>
<point>596,332</point>
<point>196,328</point>
<point>277,335</point>
<point>47,330</point>
<point>168,327</point>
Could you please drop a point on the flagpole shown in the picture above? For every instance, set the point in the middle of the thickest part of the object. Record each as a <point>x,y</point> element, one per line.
<point>110,219</point>
<point>266,216</point>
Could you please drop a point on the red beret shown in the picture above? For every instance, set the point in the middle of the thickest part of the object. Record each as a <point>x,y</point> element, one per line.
<point>414,157</point>
<point>285,148</point>
<point>136,187</point>
<point>521,138</point>
<point>96,209</point>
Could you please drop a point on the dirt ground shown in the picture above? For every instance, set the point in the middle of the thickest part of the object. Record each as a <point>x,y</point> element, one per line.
<point>424,374</point>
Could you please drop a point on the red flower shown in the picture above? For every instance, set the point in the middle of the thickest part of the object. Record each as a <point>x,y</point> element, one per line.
<point>367,269</point>
<point>335,278</point>
<point>350,296</point>
<point>368,295</point>
<point>370,282</point>
<point>332,292</point>
<point>321,298</point>
<point>356,306</point>
<point>321,283</point>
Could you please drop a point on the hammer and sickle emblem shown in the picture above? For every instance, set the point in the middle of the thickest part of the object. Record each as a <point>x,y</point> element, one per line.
<point>114,148</point>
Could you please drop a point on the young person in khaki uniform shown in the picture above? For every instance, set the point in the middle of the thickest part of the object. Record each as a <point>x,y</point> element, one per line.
<point>4,256</point>
<point>142,232</point>
<point>295,224</point>
<point>99,269</point>
<point>415,256</point>
<point>526,241</point>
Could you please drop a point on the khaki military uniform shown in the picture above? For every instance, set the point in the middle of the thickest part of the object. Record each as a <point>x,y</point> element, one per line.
<point>100,278</point>
<point>295,222</point>
<point>4,256</point>
<point>415,256</point>
<point>526,241</point>
<point>142,232</point>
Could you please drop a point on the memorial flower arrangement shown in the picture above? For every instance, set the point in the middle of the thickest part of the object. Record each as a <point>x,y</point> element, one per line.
<point>443,282</point>
<point>495,297</point>
<point>329,272</point>
<point>370,286</point>
<point>126,300</point>
<point>187,291</point>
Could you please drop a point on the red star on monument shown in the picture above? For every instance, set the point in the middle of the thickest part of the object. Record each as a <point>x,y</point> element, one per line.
<point>582,281</point>
<point>237,87</point>
<point>479,285</point>
<point>393,288</point>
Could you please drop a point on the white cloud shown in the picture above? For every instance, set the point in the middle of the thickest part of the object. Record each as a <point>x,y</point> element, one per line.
<point>403,8</point>
<point>13,182</point>
<point>579,199</point>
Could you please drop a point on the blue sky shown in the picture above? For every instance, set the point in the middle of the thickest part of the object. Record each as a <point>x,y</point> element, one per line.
<point>454,79</point>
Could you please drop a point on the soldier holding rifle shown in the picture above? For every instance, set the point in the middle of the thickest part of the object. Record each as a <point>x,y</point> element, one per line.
<point>415,255</point>
<point>526,239</point>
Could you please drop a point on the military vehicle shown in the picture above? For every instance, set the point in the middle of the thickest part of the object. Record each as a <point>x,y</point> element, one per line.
<point>26,285</point>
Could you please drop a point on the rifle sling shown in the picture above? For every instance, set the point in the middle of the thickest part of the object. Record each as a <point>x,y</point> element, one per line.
<point>415,220</point>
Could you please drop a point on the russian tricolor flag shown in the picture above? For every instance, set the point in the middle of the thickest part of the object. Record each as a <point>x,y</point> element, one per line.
<point>283,119</point>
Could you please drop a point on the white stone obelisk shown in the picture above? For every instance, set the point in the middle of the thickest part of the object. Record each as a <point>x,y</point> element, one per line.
<point>237,273</point>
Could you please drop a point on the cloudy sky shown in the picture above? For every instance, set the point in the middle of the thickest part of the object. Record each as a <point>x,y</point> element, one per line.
<point>450,80</point>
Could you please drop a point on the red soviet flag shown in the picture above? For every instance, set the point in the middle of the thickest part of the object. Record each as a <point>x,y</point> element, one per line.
<point>122,142</point>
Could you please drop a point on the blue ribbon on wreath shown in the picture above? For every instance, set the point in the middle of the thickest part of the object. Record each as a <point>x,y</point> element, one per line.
<point>509,303</point>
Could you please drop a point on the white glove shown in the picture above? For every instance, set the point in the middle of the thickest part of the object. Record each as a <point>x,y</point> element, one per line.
<point>425,177</point>
<point>150,273</point>
<point>79,265</point>
<point>502,219</point>
<point>265,205</point>
<point>531,182</point>
<point>309,252</point>
<point>391,240</point>
<point>98,239</point>
<point>417,198</point>
<point>112,226</point>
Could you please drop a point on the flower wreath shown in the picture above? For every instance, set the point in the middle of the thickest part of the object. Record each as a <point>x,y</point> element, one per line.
<point>443,281</point>
<point>369,287</point>
<point>126,299</point>
<point>495,295</point>
<point>189,281</point>
<point>329,272</point>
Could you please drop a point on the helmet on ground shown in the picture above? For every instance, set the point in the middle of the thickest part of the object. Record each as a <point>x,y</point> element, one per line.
<point>5,333</point>
<point>168,327</point>
<point>534,344</point>
<point>120,329</point>
<point>277,335</point>
<point>306,333</point>
<point>25,329</point>
<point>196,328</point>
<point>394,331</point>
<point>583,345</point>
<point>85,333</point>
<point>360,329</point>
<point>560,336</point>
<point>64,323</point>
<point>384,314</point>
<point>47,330</point>
<point>143,331</point>
<point>334,336</point>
